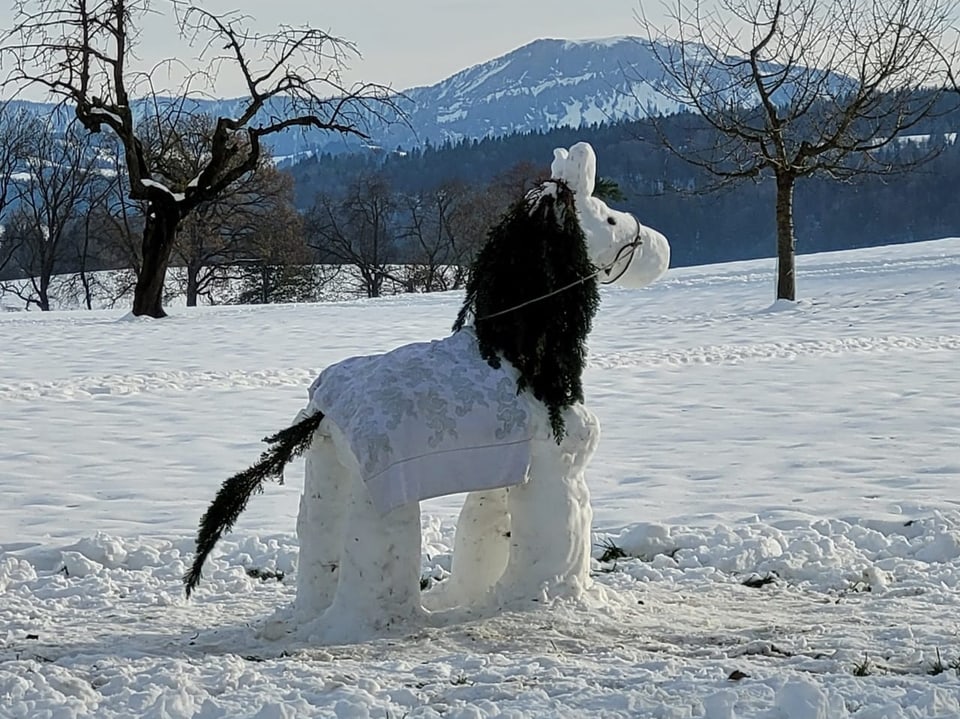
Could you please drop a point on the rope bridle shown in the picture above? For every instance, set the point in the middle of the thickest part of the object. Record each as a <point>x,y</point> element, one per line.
<point>632,246</point>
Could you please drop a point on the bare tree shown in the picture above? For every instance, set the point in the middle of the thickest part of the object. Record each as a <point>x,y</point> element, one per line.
<point>789,88</point>
<point>60,177</point>
<point>435,257</point>
<point>100,233</point>
<point>480,207</point>
<point>80,51</point>
<point>235,229</point>
<point>256,224</point>
<point>280,266</point>
<point>477,210</point>
<point>119,220</point>
<point>442,229</point>
<point>357,229</point>
<point>13,135</point>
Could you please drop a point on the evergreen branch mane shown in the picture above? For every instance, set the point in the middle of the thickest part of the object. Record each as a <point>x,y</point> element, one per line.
<point>236,491</point>
<point>537,248</point>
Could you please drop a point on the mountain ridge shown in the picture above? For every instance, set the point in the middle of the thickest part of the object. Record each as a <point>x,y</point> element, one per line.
<point>546,83</point>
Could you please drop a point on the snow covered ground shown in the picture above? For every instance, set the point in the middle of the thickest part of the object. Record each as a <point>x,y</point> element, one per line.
<point>812,450</point>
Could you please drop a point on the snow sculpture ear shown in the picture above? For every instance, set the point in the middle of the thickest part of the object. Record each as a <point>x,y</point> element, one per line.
<point>581,169</point>
<point>559,164</point>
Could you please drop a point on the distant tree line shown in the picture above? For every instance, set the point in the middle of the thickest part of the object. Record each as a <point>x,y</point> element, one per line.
<point>412,222</point>
<point>65,210</point>
<point>704,225</point>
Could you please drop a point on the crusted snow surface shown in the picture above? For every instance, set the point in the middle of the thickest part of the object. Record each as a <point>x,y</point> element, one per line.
<point>774,493</point>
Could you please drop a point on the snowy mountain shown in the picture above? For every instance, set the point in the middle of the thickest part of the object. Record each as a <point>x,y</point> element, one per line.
<point>542,85</point>
<point>545,84</point>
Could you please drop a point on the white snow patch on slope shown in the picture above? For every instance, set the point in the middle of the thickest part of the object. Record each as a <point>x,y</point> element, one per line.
<point>807,448</point>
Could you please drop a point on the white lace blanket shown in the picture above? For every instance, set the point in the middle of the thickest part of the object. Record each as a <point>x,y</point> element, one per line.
<point>429,419</point>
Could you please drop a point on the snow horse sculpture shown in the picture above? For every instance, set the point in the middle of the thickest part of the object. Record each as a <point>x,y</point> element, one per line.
<point>494,410</point>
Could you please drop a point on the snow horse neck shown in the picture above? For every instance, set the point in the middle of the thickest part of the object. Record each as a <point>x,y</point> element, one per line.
<point>532,292</point>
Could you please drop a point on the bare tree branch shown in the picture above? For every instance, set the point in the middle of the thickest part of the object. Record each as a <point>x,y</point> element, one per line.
<point>792,88</point>
<point>80,52</point>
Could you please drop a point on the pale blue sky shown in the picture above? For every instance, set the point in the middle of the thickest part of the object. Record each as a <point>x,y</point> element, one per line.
<point>405,43</point>
<point>422,41</point>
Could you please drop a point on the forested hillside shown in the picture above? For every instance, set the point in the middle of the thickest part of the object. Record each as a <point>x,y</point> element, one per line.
<point>663,191</point>
<point>412,221</point>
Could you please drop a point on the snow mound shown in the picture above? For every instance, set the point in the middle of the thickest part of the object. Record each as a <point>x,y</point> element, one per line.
<point>101,629</point>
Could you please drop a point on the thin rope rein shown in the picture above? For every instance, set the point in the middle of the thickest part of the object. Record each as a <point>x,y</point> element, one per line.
<point>632,246</point>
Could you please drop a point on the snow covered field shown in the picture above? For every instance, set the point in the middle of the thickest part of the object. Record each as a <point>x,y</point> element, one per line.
<point>812,450</point>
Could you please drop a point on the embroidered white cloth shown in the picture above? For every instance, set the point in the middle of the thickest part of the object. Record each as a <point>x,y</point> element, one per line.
<point>429,419</point>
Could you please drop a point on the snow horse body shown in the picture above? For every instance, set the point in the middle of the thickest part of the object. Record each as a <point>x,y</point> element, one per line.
<point>359,568</point>
<point>495,410</point>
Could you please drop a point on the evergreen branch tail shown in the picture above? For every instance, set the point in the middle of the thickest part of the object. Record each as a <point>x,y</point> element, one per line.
<point>236,491</point>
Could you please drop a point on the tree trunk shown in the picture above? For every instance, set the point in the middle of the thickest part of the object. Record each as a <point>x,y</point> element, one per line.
<point>87,290</point>
<point>43,288</point>
<point>159,234</point>
<point>193,284</point>
<point>84,252</point>
<point>85,279</point>
<point>786,243</point>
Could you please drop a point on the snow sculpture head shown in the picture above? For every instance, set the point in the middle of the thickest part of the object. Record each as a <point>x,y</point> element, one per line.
<point>533,291</point>
<point>608,232</point>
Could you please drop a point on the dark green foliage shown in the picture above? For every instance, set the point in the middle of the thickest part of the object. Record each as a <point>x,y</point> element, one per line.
<point>758,582</point>
<point>265,574</point>
<point>236,491</point>
<point>532,294</point>
<point>611,552</point>
<point>608,190</point>
<point>864,668</point>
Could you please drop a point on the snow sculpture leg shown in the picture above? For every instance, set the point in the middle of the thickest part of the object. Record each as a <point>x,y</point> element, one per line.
<point>550,518</point>
<point>379,583</point>
<point>378,574</point>
<point>480,551</point>
<point>320,526</point>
